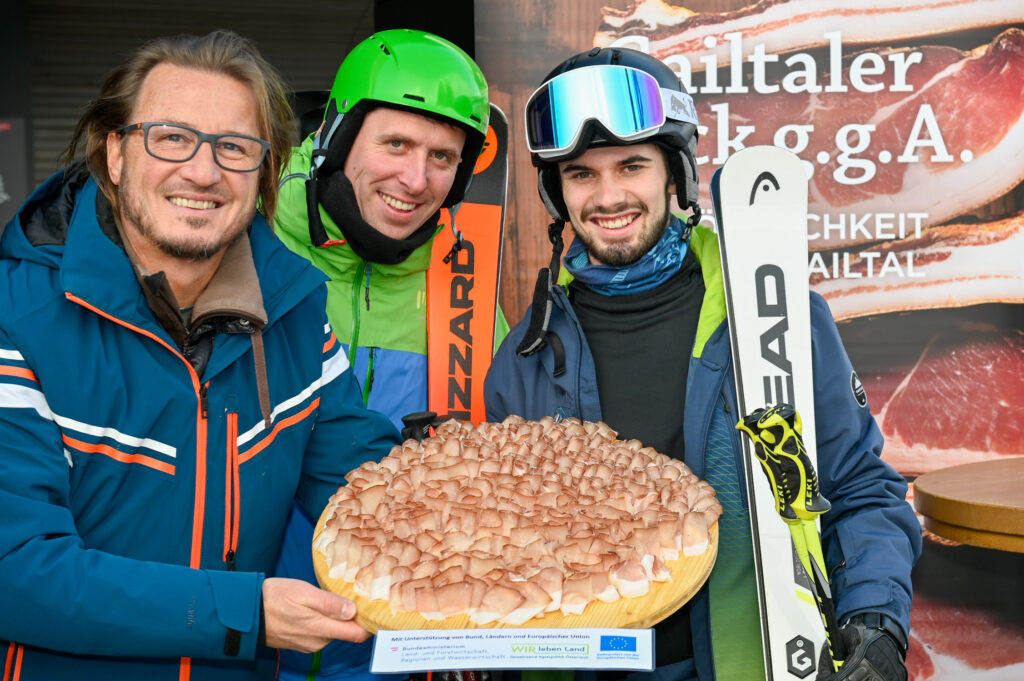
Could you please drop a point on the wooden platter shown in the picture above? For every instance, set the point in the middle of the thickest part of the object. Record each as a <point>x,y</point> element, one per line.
<point>979,503</point>
<point>688,574</point>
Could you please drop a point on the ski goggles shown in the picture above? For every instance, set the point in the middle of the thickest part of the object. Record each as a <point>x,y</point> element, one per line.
<point>628,102</point>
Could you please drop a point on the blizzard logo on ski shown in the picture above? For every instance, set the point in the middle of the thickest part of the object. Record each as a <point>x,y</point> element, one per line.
<point>460,356</point>
<point>800,657</point>
<point>770,284</point>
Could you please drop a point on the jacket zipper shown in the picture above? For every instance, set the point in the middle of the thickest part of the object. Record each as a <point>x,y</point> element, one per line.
<point>579,355</point>
<point>353,342</point>
<point>737,447</point>
<point>362,280</point>
<point>232,493</point>
<point>199,502</point>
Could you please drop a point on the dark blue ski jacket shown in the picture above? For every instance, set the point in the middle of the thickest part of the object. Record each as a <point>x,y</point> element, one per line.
<point>141,502</point>
<point>871,536</point>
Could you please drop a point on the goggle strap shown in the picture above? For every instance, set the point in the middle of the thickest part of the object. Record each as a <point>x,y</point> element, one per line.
<point>678,106</point>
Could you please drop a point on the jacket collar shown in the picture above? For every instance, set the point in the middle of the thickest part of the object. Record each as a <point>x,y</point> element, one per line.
<point>704,243</point>
<point>258,280</point>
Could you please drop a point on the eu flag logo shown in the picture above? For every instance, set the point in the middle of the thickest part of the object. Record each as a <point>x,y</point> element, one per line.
<point>618,643</point>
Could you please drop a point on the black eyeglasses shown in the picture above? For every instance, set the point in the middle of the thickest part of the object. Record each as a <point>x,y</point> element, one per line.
<point>179,143</point>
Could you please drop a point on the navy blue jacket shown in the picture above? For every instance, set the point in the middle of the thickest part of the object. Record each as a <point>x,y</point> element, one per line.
<point>142,503</point>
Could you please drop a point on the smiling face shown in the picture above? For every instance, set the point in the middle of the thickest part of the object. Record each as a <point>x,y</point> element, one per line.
<point>401,167</point>
<point>617,198</point>
<point>190,211</point>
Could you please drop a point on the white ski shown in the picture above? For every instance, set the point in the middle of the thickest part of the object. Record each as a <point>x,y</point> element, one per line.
<point>761,208</point>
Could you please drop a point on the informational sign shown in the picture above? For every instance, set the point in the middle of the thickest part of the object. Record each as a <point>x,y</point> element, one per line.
<point>442,649</point>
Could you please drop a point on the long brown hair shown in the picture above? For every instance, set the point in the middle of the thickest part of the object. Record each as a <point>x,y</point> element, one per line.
<point>220,52</point>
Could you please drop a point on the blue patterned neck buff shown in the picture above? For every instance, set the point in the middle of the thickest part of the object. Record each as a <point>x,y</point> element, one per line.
<point>654,268</point>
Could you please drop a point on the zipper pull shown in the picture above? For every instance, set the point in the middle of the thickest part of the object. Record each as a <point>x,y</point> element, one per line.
<point>369,370</point>
<point>230,560</point>
<point>204,405</point>
<point>366,281</point>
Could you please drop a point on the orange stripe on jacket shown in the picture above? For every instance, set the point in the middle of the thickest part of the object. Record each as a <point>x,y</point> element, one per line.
<point>281,425</point>
<point>156,464</point>
<point>21,373</point>
<point>12,668</point>
<point>11,652</point>
<point>330,342</point>
<point>199,506</point>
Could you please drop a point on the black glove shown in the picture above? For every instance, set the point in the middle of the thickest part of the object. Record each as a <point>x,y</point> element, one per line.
<point>875,651</point>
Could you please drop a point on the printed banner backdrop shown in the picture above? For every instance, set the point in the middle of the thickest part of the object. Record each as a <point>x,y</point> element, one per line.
<point>909,118</point>
<point>13,161</point>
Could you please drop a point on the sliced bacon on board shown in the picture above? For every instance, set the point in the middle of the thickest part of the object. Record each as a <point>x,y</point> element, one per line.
<point>507,521</point>
<point>957,401</point>
<point>976,103</point>
<point>788,25</point>
<point>948,266</point>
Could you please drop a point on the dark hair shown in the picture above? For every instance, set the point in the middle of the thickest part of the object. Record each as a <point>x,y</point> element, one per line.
<point>220,52</point>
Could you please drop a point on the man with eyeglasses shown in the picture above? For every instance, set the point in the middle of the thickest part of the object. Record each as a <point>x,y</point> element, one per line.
<point>169,384</point>
<point>636,335</point>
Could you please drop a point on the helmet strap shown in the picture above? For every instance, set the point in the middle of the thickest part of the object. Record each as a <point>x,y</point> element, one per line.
<point>550,189</point>
<point>338,199</point>
<point>322,140</point>
<point>321,146</point>
<point>681,178</point>
<point>457,244</point>
<point>540,311</point>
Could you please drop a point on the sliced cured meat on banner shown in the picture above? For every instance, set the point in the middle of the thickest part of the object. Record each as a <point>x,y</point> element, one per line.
<point>947,145</point>
<point>956,401</point>
<point>784,26</point>
<point>949,266</point>
<point>956,642</point>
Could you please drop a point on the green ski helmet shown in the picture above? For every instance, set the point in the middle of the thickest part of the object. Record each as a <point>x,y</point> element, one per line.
<point>413,71</point>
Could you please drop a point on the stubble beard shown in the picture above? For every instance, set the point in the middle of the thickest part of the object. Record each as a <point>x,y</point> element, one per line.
<point>620,255</point>
<point>197,249</point>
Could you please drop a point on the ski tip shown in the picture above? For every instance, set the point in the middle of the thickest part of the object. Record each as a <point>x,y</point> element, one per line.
<point>497,113</point>
<point>716,201</point>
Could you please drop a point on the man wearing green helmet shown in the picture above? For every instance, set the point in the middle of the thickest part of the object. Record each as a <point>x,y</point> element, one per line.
<point>405,122</point>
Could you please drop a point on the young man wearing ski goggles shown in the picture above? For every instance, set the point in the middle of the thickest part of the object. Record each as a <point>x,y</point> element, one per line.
<point>639,338</point>
<point>628,103</point>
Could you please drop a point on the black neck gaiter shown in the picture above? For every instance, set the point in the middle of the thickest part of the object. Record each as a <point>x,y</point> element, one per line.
<point>339,200</point>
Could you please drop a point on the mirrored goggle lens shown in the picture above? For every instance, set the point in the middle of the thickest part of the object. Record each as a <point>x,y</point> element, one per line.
<point>626,101</point>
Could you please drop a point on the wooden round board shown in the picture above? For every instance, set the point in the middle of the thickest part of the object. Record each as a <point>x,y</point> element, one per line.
<point>688,574</point>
